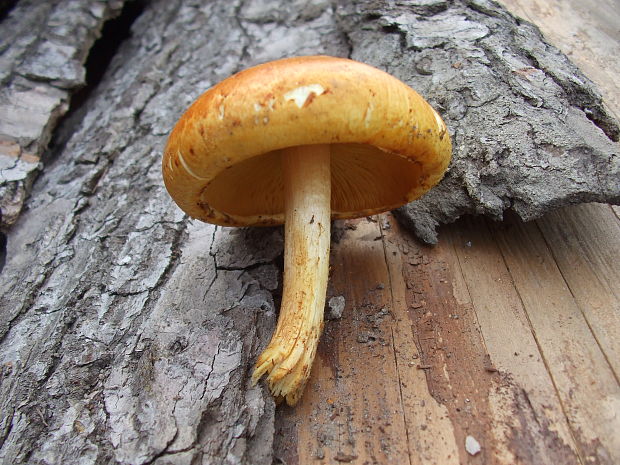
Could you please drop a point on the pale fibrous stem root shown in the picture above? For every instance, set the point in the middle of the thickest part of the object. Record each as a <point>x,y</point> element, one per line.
<point>287,360</point>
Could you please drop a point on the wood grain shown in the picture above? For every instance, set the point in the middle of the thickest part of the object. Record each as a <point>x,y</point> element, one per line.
<point>585,243</point>
<point>458,355</point>
<point>586,385</point>
<point>526,408</point>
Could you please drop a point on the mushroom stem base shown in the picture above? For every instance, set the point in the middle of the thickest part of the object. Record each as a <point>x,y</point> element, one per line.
<point>288,358</point>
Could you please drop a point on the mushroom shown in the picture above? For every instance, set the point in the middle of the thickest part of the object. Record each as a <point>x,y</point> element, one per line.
<point>301,141</point>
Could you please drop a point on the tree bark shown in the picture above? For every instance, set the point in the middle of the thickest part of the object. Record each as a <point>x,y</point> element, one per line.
<point>127,331</point>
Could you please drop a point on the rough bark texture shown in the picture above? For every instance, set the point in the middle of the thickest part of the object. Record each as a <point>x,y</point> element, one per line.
<point>128,332</point>
<point>43,46</point>
<point>529,131</point>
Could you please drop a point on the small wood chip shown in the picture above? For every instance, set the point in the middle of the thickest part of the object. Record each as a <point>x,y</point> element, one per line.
<point>471,445</point>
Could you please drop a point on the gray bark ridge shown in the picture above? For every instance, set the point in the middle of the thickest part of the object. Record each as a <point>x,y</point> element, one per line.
<point>43,48</point>
<point>127,331</point>
<point>529,130</point>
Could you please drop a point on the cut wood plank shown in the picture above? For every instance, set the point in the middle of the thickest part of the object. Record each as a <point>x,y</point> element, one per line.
<point>585,382</point>
<point>430,431</point>
<point>585,242</point>
<point>527,408</point>
<point>423,378</point>
<point>514,414</point>
<point>440,322</point>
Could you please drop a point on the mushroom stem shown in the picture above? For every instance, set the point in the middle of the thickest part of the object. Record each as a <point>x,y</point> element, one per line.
<point>307,186</point>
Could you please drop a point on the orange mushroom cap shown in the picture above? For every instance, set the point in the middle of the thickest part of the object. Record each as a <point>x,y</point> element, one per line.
<point>222,160</point>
